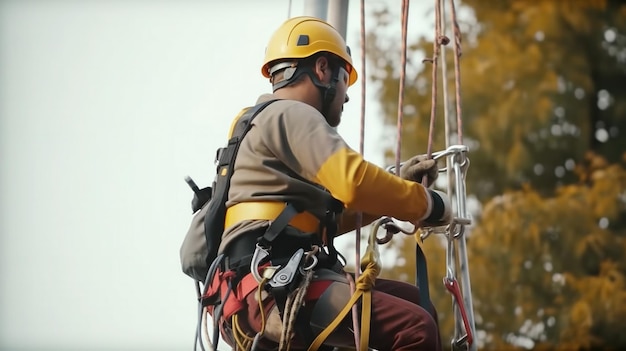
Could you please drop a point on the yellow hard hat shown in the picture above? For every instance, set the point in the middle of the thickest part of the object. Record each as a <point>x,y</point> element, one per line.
<point>303,36</point>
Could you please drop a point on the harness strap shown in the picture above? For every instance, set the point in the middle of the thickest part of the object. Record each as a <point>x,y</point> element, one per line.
<point>269,210</point>
<point>247,285</point>
<point>288,214</point>
<point>421,277</point>
<point>366,294</point>
<point>280,223</point>
<point>214,218</point>
<point>370,264</point>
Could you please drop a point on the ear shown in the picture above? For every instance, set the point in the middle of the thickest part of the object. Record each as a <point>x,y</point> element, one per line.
<point>321,68</point>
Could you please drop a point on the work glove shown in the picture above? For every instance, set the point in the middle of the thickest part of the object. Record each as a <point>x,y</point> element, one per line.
<point>415,168</point>
<point>441,212</point>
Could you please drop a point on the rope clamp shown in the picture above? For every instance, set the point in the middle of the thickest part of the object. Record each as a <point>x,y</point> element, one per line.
<point>286,275</point>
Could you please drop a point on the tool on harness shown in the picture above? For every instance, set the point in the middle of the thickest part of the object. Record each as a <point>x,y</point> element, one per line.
<point>284,276</point>
<point>284,279</point>
<point>200,196</point>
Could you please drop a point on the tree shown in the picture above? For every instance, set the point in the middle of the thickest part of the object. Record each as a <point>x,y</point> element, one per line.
<point>542,84</point>
<point>544,104</point>
<point>564,281</point>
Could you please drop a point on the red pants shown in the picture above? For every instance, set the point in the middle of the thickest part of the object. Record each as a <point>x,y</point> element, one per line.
<point>397,323</point>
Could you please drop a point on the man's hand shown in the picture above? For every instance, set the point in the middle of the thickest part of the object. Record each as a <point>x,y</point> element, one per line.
<point>417,167</point>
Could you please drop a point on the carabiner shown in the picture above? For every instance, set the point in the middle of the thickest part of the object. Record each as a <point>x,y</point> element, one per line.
<point>259,255</point>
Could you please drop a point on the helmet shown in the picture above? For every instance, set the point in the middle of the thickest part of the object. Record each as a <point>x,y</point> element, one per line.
<point>303,36</point>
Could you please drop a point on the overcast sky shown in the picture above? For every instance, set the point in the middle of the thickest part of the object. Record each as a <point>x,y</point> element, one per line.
<point>105,107</point>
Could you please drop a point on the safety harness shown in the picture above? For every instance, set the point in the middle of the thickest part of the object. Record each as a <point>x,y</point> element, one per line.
<point>278,259</point>
<point>286,277</point>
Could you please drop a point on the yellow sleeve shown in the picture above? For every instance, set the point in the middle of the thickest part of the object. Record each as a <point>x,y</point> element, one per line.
<point>348,221</point>
<point>365,187</point>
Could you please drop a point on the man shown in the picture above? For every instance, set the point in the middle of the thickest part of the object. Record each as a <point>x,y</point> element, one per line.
<point>293,155</point>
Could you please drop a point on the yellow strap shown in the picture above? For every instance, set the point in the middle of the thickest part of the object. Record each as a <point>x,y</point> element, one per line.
<point>304,221</point>
<point>418,237</point>
<point>371,268</point>
<point>235,120</point>
<point>366,317</point>
<point>331,327</point>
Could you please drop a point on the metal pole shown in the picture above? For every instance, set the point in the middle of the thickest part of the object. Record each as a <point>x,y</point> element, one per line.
<point>316,8</point>
<point>338,15</point>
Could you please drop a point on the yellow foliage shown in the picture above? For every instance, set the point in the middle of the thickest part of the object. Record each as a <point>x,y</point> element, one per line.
<point>581,320</point>
<point>543,249</point>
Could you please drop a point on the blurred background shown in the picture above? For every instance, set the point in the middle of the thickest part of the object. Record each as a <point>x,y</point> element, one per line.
<point>543,86</point>
<point>105,106</point>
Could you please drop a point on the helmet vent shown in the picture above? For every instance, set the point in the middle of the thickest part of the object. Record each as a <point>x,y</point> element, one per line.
<point>303,40</point>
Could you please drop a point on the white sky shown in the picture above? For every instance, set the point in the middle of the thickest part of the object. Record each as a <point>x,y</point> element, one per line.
<point>105,106</point>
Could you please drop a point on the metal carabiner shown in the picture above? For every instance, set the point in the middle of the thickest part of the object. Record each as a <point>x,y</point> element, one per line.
<point>312,255</point>
<point>259,255</point>
<point>376,225</point>
<point>395,226</point>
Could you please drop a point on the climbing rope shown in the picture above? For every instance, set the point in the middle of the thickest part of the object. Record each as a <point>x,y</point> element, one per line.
<point>456,167</point>
<point>403,48</point>
<point>359,218</point>
<point>371,267</point>
<point>295,301</point>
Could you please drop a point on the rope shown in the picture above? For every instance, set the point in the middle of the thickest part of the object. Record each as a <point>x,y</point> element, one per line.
<point>404,21</point>
<point>359,216</point>
<point>370,264</point>
<point>295,300</point>
<point>243,341</point>
<point>457,73</point>
<point>441,39</point>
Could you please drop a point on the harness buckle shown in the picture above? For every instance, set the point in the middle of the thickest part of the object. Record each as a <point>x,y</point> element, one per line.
<point>286,275</point>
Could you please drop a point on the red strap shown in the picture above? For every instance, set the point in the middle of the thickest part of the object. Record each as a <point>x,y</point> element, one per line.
<point>246,286</point>
<point>316,289</point>
<point>453,287</point>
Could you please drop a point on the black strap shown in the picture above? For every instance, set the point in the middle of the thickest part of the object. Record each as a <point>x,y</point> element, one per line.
<point>422,279</point>
<point>214,218</point>
<point>280,294</point>
<point>278,225</point>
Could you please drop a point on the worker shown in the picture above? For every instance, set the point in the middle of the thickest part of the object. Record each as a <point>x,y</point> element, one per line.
<point>293,157</point>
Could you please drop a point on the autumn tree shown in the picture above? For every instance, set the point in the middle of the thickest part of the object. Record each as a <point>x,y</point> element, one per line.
<point>544,106</point>
<point>552,269</point>
<point>542,84</point>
